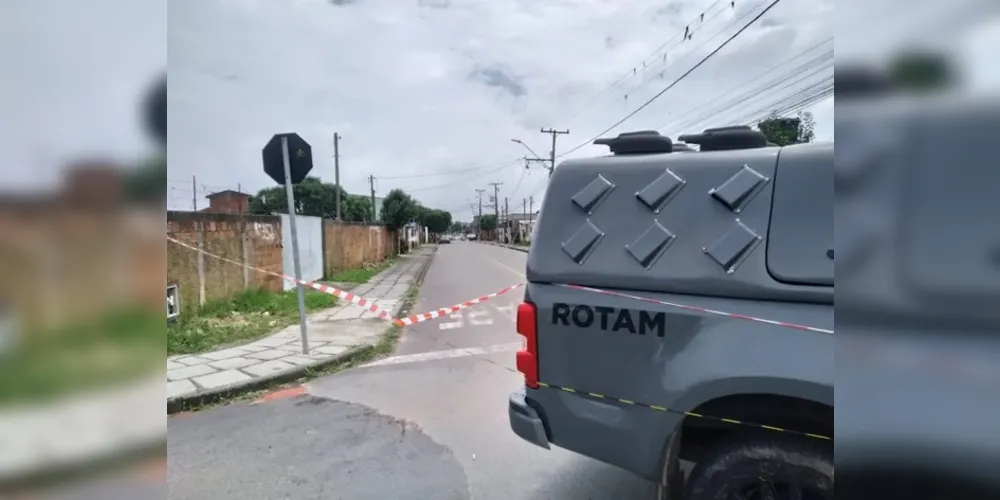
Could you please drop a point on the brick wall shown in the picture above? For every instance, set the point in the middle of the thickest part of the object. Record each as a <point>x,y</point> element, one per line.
<point>254,239</point>
<point>65,263</point>
<point>348,245</point>
<point>228,202</point>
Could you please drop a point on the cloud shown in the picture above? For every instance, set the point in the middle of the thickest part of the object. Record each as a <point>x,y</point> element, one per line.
<point>74,82</point>
<point>429,87</point>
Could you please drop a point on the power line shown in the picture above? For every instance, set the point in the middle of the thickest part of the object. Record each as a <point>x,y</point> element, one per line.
<point>742,100</point>
<point>695,48</point>
<point>495,168</point>
<point>520,179</point>
<point>449,172</point>
<point>678,80</point>
<point>790,104</point>
<point>713,102</point>
<point>628,76</point>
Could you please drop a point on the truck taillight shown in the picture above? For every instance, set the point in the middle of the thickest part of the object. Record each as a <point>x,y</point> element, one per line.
<point>527,358</point>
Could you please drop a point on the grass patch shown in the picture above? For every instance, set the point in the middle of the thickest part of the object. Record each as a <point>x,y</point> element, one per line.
<point>384,347</point>
<point>360,274</point>
<point>122,346</point>
<point>246,316</point>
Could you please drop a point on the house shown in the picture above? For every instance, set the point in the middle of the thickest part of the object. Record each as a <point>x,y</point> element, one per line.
<point>517,227</point>
<point>228,202</point>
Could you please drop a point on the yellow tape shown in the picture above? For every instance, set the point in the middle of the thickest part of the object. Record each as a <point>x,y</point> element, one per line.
<point>687,413</point>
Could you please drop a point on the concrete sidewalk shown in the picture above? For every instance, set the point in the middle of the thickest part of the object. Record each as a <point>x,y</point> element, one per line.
<point>334,334</point>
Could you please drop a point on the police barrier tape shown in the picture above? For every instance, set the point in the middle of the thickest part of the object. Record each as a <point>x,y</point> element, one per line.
<point>336,292</point>
<point>628,402</point>
<point>354,299</point>
<point>418,318</point>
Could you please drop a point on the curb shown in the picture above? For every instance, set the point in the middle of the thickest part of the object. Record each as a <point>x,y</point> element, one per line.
<point>181,403</point>
<point>509,247</point>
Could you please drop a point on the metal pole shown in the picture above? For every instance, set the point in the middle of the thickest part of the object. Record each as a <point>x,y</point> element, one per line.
<point>336,168</point>
<point>371,184</point>
<point>289,193</point>
<point>552,161</point>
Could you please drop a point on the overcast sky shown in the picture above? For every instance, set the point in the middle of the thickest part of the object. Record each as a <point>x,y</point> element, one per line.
<point>422,91</point>
<point>426,93</point>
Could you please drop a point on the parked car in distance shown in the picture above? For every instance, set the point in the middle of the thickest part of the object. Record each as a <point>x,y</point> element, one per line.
<point>445,239</point>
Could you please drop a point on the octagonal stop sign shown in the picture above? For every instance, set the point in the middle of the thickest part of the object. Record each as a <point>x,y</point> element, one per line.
<point>299,158</point>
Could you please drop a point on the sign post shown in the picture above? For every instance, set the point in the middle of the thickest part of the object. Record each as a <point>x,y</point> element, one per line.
<point>295,162</point>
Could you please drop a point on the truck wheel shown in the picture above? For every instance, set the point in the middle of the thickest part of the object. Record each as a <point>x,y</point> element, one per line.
<point>763,469</point>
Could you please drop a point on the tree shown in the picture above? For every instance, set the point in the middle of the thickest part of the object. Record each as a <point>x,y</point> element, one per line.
<point>420,213</point>
<point>398,209</point>
<point>457,227</point>
<point>488,222</point>
<point>786,130</point>
<point>313,197</point>
<point>437,221</point>
<point>357,208</point>
<point>807,127</point>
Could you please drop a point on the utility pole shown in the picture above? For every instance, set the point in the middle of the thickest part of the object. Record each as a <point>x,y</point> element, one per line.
<point>479,220</point>
<point>496,205</point>
<point>506,218</point>
<point>552,154</point>
<point>194,193</point>
<point>531,209</point>
<point>371,184</point>
<point>336,168</point>
<point>496,198</point>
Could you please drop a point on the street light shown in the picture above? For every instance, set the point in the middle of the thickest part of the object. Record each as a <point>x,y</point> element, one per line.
<point>519,141</point>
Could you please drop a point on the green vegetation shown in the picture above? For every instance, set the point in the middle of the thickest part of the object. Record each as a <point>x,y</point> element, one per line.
<point>360,274</point>
<point>122,346</point>
<point>243,317</point>
<point>384,347</point>
<point>315,198</point>
<point>488,222</point>
<point>784,131</point>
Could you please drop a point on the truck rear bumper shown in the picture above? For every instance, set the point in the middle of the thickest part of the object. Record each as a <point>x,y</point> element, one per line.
<point>525,421</point>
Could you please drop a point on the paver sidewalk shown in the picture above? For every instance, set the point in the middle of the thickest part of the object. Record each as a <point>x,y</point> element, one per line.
<point>333,334</point>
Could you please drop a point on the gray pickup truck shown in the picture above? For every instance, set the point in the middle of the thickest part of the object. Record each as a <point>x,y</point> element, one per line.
<point>679,307</point>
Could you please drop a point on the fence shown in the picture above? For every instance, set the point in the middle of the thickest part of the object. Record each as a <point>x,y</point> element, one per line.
<point>261,241</point>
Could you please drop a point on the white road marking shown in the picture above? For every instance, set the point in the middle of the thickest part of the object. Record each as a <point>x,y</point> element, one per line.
<point>450,354</point>
<point>505,266</point>
<point>480,317</point>
<point>507,310</point>
<point>451,325</point>
<point>477,317</point>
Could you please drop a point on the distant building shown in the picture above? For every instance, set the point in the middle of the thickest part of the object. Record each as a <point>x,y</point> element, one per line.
<point>228,202</point>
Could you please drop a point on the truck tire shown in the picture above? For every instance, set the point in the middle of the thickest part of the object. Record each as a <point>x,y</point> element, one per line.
<point>763,469</point>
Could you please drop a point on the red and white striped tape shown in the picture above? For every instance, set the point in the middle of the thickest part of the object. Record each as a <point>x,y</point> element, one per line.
<point>444,311</point>
<point>700,309</point>
<point>427,316</point>
<point>336,292</point>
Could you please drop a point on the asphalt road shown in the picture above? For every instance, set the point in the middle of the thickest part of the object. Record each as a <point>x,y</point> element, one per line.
<point>428,423</point>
